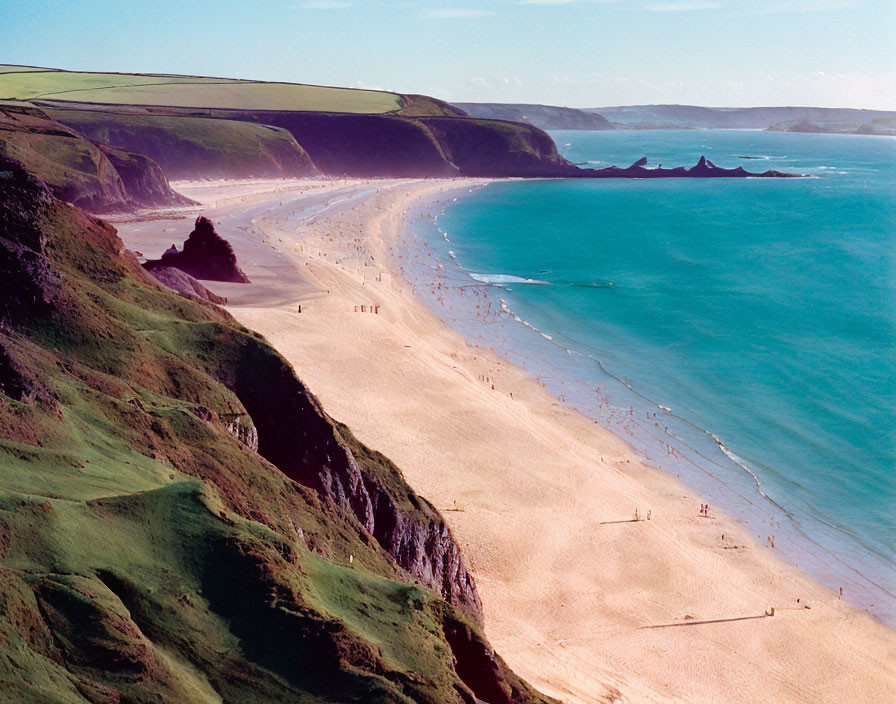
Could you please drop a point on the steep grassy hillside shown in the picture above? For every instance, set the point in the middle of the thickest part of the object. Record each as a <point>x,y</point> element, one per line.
<point>341,144</point>
<point>361,145</point>
<point>424,106</point>
<point>195,147</point>
<point>181,522</point>
<point>79,171</point>
<point>545,117</point>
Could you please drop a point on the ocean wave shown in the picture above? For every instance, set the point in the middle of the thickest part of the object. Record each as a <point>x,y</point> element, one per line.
<point>740,462</point>
<point>499,279</point>
<point>593,284</point>
<point>825,170</point>
<point>761,157</point>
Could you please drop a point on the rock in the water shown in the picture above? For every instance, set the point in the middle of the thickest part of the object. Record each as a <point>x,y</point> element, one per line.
<point>206,255</point>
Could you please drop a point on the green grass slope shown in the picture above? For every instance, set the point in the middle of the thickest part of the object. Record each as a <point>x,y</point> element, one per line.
<point>78,170</point>
<point>148,552</point>
<point>195,147</point>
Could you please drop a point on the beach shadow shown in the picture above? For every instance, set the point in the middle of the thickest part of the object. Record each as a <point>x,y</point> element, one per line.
<point>627,520</point>
<point>715,620</point>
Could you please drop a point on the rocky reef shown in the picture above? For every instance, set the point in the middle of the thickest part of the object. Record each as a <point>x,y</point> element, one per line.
<point>180,521</point>
<point>702,169</point>
<point>205,255</point>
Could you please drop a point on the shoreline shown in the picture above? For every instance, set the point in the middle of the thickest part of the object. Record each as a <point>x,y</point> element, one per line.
<point>697,456</point>
<point>578,598</point>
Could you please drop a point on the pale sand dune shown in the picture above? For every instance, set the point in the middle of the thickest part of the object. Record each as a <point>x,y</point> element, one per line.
<point>572,603</point>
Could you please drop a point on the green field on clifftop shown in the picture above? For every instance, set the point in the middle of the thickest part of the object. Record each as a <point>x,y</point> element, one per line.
<point>189,91</point>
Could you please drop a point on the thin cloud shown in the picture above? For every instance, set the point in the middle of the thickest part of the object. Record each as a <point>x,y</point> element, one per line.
<point>563,2</point>
<point>455,13</point>
<point>785,7</point>
<point>324,5</point>
<point>685,6</point>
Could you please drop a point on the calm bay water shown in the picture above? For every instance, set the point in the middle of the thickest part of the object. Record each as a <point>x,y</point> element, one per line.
<point>755,318</point>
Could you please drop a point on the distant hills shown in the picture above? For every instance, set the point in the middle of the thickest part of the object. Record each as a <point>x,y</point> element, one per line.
<point>787,119</point>
<point>779,119</point>
<point>545,117</point>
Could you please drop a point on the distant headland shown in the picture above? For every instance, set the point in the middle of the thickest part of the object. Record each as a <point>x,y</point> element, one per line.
<point>684,117</point>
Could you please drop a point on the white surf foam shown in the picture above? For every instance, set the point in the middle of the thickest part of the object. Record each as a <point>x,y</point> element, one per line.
<point>499,279</point>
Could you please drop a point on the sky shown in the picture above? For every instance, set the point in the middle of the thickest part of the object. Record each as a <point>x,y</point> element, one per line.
<point>577,53</point>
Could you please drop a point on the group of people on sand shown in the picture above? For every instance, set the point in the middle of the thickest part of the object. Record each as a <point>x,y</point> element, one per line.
<point>704,510</point>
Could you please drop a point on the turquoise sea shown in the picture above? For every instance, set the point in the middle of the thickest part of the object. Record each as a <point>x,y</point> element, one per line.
<point>739,333</point>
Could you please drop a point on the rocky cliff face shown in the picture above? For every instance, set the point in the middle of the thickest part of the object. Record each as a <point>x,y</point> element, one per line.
<point>496,149</point>
<point>362,145</point>
<point>27,276</point>
<point>398,146</point>
<point>179,519</point>
<point>419,141</point>
<point>145,184</point>
<point>296,436</point>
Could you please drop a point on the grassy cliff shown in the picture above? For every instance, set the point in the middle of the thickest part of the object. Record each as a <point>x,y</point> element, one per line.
<point>196,127</point>
<point>78,170</point>
<point>181,522</point>
<point>194,147</point>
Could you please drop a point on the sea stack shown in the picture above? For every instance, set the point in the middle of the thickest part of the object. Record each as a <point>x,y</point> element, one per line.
<point>205,255</point>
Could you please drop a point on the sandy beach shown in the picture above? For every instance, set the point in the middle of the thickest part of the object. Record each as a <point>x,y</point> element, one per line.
<point>586,603</point>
